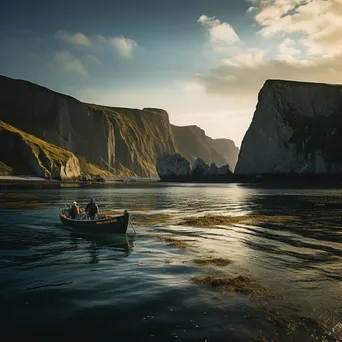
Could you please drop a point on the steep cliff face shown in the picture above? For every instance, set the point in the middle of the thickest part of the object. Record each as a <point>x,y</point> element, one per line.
<point>193,143</point>
<point>22,153</point>
<point>296,128</point>
<point>122,141</point>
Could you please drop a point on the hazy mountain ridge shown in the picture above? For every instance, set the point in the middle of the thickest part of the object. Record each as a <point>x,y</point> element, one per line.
<point>192,143</point>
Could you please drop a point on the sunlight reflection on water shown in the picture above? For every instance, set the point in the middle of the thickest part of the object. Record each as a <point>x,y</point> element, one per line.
<point>300,261</point>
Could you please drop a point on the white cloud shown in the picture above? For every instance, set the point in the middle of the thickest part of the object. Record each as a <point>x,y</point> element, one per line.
<point>219,32</point>
<point>68,62</point>
<point>243,77</point>
<point>310,49</point>
<point>124,46</point>
<point>287,48</point>
<point>76,38</point>
<point>319,22</point>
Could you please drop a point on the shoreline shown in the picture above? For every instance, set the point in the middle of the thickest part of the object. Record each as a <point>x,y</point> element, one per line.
<point>34,180</point>
<point>322,180</point>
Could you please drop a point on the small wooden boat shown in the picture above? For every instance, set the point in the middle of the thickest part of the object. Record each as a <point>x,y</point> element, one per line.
<point>102,224</point>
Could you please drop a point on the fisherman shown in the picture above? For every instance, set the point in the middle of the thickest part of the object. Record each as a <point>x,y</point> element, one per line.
<point>74,211</point>
<point>92,209</point>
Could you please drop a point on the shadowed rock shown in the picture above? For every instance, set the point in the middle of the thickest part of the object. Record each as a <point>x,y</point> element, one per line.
<point>173,168</point>
<point>296,130</point>
<point>202,172</point>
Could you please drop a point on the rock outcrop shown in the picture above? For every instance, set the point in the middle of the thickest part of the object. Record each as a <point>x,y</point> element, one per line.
<point>296,129</point>
<point>173,168</point>
<point>200,171</point>
<point>193,143</point>
<point>120,140</point>
<point>22,153</point>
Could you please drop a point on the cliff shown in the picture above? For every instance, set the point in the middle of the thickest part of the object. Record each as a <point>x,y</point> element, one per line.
<point>192,143</point>
<point>22,153</point>
<point>120,140</point>
<point>296,129</point>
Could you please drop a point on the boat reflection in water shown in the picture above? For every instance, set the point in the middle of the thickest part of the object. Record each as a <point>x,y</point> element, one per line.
<point>113,246</point>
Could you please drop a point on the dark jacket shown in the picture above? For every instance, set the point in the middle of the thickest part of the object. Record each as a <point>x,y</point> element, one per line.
<point>92,209</point>
<point>74,211</point>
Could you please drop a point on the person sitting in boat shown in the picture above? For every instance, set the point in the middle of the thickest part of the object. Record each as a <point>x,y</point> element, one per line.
<point>92,209</point>
<point>74,211</point>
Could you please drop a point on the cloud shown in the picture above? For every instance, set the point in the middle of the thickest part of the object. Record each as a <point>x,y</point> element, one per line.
<point>243,76</point>
<point>219,32</point>
<point>305,39</point>
<point>76,38</point>
<point>319,22</point>
<point>286,48</point>
<point>124,46</point>
<point>68,62</point>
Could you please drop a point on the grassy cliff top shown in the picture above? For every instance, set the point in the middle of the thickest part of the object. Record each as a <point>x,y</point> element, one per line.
<point>53,152</point>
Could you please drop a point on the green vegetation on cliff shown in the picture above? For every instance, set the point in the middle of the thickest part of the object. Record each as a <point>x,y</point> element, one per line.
<point>24,153</point>
<point>121,141</point>
<point>139,137</point>
<point>5,169</point>
<point>112,140</point>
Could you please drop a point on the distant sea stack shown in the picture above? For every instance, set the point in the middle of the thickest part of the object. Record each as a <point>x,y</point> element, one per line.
<point>173,168</point>
<point>296,129</point>
<point>192,143</point>
<point>176,168</point>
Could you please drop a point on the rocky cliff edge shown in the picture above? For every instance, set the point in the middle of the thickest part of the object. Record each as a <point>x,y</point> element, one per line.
<point>296,129</point>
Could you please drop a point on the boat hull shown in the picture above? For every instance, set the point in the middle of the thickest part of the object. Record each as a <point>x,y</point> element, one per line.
<point>113,224</point>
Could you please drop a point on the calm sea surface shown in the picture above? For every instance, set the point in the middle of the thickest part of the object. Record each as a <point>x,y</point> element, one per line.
<point>56,283</point>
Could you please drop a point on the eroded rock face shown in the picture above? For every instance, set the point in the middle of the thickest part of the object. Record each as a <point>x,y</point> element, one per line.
<point>296,129</point>
<point>173,167</point>
<point>28,155</point>
<point>122,141</point>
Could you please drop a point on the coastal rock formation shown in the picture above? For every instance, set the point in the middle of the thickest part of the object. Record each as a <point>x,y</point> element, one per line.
<point>296,129</point>
<point>193,143</point>
<point>200,171</point>
<point>120,140</point>
<point>24,154</point>
<point>173,167</point>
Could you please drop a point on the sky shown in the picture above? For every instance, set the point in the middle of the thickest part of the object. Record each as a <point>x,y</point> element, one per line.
<point>204,61</point>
